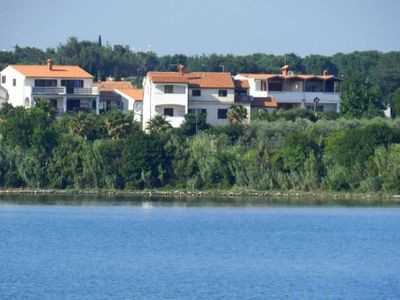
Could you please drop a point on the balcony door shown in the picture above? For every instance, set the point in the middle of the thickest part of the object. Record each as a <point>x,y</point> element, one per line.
<point>71,84</point>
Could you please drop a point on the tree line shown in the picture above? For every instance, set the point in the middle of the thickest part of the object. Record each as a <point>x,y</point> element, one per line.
<point>292,150</point>
<point>378,71</point>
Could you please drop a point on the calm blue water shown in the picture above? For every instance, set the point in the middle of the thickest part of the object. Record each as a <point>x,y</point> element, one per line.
<point>130,252</point>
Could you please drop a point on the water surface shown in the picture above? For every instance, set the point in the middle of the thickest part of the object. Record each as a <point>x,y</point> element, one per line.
<point>153,251</point>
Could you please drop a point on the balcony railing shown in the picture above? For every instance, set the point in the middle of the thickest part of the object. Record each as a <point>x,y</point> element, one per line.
<point>86,91</point>
<point>39,90</point>
<point>243,98</point>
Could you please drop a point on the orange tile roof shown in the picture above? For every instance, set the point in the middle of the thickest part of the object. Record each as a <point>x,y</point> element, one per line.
<point>167,77</point>
<point>136,94</point>
<point>111,85</point>
<point>269,102</point>
<point>211,80</point>
<point>300,76</point>
<point>241,84</point>
<point>259,76</point>
<point>195,79</point>
<point>57,71</point>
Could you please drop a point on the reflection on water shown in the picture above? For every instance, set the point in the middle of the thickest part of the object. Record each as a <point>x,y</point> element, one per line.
<point>147,201</point>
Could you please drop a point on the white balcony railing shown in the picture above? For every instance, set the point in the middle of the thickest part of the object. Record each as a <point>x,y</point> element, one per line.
<point>86,91</point>
<point>39,90</point>
<point>175,121</point>
<point>308,97</point>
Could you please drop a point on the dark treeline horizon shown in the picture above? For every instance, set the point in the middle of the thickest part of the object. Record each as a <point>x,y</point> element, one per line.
<point>118,61</point>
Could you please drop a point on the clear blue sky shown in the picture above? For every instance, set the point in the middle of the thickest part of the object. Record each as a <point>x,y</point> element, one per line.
<point>207,26</point>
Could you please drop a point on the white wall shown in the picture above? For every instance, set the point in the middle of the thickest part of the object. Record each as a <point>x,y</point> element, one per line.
<point>16,93</point>
<point>138,111</point>
<point>212,111</point>
<point>154,97</point>
<point>211,95</point>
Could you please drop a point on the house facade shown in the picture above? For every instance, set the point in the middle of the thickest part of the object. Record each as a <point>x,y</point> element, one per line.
<point>121,95</point>
<point>175,94</point>
<point>314,92</point>
<point>69,88</point>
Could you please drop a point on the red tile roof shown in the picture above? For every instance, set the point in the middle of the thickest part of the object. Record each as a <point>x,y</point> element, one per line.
<point>57,71</point>
<point>111,85</point>
<point>280,76</point>
<point>269,102</point>
<point>241,84</point>
<point>167,77</point>
<point>195,79</point>
<point>136,94</point>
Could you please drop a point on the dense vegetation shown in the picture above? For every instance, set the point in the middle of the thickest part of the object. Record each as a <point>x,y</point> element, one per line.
<point>357,151</point>
<point>294,150</point>
<point>371,72</point>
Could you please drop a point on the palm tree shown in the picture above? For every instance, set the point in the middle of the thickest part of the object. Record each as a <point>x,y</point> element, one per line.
<point>236,114</point>
<point>118,124</point>
<point>158,124</point>
<point>80,124</point>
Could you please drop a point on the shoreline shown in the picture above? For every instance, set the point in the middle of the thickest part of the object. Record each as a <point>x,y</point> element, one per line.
<point>233,193</point>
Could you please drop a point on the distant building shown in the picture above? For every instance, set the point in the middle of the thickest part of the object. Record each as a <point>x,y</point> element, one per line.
<point>69,88</point>
<point>175,94</point>
<point>242,96</point>
<point>287,90</point>
<point>121,95</point>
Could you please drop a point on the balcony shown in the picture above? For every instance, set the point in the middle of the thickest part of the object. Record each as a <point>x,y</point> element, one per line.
<point>86,91</point>
<point>48,90</point>
<point>243,98</point>
<point>308,97</point>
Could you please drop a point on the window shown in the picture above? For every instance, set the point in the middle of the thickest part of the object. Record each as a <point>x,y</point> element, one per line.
<point>168,111</point>
<point>196,93</point>
<point>70,85</point>
<point>222,113</point>
<point>263,85</point>
<point>199,111</point>
<point>275,86</point>
<point>45,83</point>
<point>3,79</point>
<point>53,103</point>
<point>168,89</point>
<point>14,82</point>
<point>222,93</point>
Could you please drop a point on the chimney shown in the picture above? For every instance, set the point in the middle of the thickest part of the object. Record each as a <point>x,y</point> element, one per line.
<point>285,69</point>
<point>181,69</point>
<point>50,64</point>
<point>325,73</point>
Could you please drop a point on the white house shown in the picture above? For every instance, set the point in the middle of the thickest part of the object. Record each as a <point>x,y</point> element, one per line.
<point>174,94</point>
<point>320,92</point>
<point>69,88</point>
<point>132,101</point>
<point>121,95</point>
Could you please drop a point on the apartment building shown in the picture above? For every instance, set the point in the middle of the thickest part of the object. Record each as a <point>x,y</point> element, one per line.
<point>69,88</point>
<point>288,90</point>
<point>175,94</point>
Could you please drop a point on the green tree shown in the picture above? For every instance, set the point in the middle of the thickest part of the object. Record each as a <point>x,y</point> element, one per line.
<point>118,124</point>
<point>194,124</point>
<point>395,103</point>
<point>236,114</point>
<point>158,125</point>
<point>360,99</point>
<point>84,125</point>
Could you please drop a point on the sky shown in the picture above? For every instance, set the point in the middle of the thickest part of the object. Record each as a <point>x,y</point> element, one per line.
<point>207,26</point>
